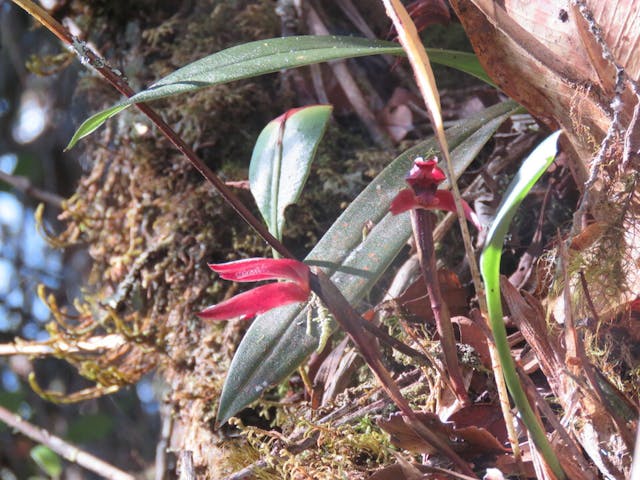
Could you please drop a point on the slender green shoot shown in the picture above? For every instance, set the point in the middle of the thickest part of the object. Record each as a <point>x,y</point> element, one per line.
<point>530,171</point>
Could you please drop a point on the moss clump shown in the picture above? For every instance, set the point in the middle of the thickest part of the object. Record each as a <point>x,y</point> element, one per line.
<point>319,451</point>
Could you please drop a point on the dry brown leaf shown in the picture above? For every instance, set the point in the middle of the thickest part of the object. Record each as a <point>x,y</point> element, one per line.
<point>484,415</point>
<point>543,55</point>
<point>467,441</point>
<point>414,299</point>
<point>472,334</point>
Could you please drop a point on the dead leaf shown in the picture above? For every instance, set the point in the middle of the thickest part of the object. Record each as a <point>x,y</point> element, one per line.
<point>414,299</point>
<point>402,436</point>
<point>334,374</point>
<point>467,441</point>
<point>472,334</point>
<point>396,117</point>
<point>485,415</point>
<point>524,47</point>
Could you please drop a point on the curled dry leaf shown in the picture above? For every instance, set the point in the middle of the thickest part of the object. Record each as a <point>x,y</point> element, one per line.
<point>467,441</point>
<point>415,302</point>
<point>524,47</point>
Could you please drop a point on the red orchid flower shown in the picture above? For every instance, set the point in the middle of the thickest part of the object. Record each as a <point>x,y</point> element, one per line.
<point>265,297</point>
<point>423,180</point>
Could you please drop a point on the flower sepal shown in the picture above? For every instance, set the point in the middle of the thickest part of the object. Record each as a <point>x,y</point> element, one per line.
<point>263,298</point>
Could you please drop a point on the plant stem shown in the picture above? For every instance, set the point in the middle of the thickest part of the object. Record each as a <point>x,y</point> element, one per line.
<point>422,222</point>
<point>120,84</point>
<point>344,313</point>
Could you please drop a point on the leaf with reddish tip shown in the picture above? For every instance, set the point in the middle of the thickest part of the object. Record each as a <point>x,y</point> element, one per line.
<point>281,161</point>
<point>256,301</point>
<point>258,269</point>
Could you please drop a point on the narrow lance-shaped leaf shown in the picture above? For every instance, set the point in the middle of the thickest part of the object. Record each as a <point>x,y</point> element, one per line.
<point>281,161</point>
<point>277,342</point>
<point>268,56</point>
<point>528,174</point>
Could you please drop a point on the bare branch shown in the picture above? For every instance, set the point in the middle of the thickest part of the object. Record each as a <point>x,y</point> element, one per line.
<point>66,450</point>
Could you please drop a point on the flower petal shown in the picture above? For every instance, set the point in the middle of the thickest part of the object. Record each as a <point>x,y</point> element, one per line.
<point>257,269</point>
<point>403,201</point>
<point>446,202</point>
<point>443,200</point>
<point>256,301</point>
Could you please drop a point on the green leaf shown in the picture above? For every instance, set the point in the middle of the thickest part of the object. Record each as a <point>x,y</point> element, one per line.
<point>267,56</point>
<point>47,460</point>
<point>282,158</point>
<point>528,174</point>
<point>464,61</point>
<point>278,341</point>
<point>93,123</point>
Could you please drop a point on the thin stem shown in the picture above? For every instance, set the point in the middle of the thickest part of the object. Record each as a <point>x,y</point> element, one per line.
<point>344,313</point>
<point>66,450</point>
<point>117,80</point>
<point>24,185</point>
<point>422,222</point>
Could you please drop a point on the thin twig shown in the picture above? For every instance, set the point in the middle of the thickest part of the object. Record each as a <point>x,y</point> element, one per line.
<point>163,444</point>
<point>94,344</point>
<point>185,465</point>
<point>617,106</point>
<point>24,185</point>
<point>66,450</point>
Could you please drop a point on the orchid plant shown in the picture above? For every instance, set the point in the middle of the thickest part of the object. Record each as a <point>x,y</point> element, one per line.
<point>423,193</point>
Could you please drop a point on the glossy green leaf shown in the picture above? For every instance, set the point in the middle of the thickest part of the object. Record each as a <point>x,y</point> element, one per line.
<point>267,56</point>
<point>278,341</point>
<point>282,158</point>
<point>47,460</point>
<point>528,174</point>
